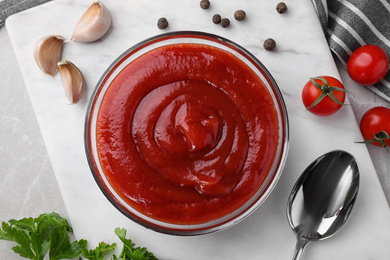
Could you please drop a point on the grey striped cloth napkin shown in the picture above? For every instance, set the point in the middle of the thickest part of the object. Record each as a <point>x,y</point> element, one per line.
<point>349,24</point>
<point>9,7</point>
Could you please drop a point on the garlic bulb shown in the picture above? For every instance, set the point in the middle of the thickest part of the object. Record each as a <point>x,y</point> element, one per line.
<point>94,23</point>
<point>47,53</point>
<point>72,79</point>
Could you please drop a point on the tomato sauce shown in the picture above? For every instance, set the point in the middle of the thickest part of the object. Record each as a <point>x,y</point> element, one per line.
<point>186,133</point>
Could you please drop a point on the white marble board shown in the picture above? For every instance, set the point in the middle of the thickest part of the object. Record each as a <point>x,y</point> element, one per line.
<point>301,53</point>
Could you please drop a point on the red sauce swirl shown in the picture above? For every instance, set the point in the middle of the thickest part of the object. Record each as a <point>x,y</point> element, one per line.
<point>186,133</point>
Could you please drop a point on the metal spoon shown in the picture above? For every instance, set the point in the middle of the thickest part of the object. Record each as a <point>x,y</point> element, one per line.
<point>322,198</point>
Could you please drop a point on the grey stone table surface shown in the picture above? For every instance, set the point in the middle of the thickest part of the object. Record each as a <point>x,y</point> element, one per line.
<point>27,182</point>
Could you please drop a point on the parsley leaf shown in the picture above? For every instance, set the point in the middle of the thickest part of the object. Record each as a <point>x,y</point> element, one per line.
<point>129,251</point>
<point>60,246</point>
<point>24,233</point>
<point>98,252</point>
<point>34,237</point>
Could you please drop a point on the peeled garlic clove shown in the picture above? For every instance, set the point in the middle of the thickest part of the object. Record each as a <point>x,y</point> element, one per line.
<point>72,79</point>
<point>47,53</point>
<point>94,23</point>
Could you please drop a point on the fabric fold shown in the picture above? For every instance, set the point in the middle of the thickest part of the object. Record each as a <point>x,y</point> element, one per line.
<point>349,24</point>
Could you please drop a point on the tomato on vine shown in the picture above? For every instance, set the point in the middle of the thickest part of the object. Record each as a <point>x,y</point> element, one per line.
<point>323,96</point>
<point>368,64</point>
<point>375,126</point>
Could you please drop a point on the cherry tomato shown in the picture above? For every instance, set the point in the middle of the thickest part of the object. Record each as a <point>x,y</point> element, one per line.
<point>323,96</point>
<point>368,64</point>
<point>375,126</point>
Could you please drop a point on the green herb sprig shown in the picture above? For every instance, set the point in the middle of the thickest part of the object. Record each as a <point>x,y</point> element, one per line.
<point>49,234</point>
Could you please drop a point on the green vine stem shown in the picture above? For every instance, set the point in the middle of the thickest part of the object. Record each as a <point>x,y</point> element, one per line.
<point>326,91</point>
<point>381,137</point>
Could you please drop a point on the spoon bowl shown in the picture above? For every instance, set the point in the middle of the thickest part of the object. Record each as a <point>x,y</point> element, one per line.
<point>322,198</point>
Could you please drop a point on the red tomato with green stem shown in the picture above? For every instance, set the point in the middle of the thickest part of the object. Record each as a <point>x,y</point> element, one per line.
<point>375,126</point>
<point>323,96</point>
<point>368,64</point>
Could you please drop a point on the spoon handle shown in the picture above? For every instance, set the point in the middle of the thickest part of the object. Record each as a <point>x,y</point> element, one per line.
<point>300,245</point>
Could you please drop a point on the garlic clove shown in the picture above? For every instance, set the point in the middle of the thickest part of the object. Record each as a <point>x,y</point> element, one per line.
<point>72,79</point>
<point>47,53</point>
<point>93,24</point>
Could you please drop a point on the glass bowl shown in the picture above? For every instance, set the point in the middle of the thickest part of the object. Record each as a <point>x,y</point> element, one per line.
<point>103,167</point>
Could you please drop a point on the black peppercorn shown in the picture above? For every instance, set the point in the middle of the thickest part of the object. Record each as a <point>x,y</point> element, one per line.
<point>162,23</point>
<point>205,4</point>
<point>269,44</point>
<point>225,22</point>
<point>216,18</point>
<point>239,15</point>
<point>281,8</point>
